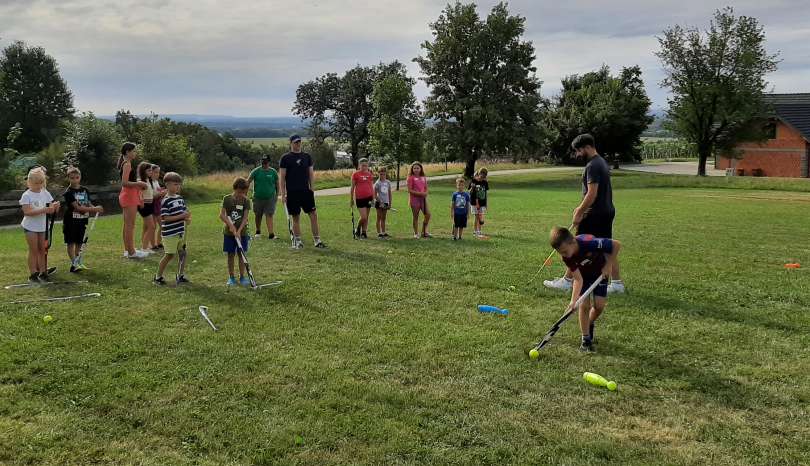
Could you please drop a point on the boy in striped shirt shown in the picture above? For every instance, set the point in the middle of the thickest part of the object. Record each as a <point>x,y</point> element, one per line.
<point>174,216</point>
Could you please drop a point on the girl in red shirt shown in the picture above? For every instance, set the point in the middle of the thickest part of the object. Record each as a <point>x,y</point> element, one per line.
<point>362,195</point>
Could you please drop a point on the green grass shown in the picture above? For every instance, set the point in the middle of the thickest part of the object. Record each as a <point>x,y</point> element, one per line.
<point>397,366</point>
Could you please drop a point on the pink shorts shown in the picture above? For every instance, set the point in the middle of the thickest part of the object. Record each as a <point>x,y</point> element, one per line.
<point>419,203</point>
<point>129,197</point>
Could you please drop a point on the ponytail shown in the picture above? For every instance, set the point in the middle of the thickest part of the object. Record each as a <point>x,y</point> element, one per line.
<point>125,149</point>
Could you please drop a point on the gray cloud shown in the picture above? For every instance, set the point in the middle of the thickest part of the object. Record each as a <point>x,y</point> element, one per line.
<point>246,58</point>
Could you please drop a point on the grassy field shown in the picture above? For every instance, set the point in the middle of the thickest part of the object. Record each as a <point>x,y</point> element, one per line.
<point>373,352</point>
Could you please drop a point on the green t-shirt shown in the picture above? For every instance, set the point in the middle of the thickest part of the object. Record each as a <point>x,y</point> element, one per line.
<point>236,210</point>
<point>264,183</point>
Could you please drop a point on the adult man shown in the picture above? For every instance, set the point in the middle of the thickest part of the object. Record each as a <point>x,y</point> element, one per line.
<point>595,214</point>
<point>296,176</point>
<point>265,194</point>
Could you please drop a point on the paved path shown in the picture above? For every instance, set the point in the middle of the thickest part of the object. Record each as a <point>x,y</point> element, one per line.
<point>673,168</point>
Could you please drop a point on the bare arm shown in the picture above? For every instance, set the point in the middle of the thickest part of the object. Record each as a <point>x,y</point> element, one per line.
<point>576,288</point>
<point>223,215</point>
<point>312,178</point>
<point>30,211</point>
<point>125,178</point>
<point>282,183</point>
<point>587,202</point>
<point>612,258</point>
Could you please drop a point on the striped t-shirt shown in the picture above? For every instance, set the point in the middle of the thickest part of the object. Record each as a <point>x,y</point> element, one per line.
<point>172,205</point>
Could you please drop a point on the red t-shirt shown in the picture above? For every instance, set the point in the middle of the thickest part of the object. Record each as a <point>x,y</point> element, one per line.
<point>363,184</point>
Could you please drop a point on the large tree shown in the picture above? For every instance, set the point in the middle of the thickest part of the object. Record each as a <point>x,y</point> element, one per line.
<point>341,105</point>
<point>92,145</point>
<point>33,95</point>
<point>482,80</point>
<point>717,81</point>
<point>614,109</point>
<point>396,129</point>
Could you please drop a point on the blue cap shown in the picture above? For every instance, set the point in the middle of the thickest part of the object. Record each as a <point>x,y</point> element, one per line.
<point>295,138</point>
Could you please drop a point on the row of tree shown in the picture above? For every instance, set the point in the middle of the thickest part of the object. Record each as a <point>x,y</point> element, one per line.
<point>485,96</point>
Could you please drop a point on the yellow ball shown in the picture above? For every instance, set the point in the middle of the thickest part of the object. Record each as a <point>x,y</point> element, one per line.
<point>612,386</point>
<point>47,319</point>
<point>534,354</point>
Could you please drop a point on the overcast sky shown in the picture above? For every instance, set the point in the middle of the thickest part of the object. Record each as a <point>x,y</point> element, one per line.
<point>245,58</point>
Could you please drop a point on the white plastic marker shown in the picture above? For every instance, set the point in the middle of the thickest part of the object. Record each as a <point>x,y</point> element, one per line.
<point>30,284</point>
<point>270,285</point>
<point>61,298</point>
<point>204,312</point>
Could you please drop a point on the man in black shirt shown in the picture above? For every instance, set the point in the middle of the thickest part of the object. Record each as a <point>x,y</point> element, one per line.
<point>296,176</point>
<point>595,214</point>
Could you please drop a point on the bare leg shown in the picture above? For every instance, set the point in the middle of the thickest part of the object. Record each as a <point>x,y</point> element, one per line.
<point>584,317</point>
<point>425,223</point>
<point>364,213</point>
<point>313,223</point>
<point>148,232</point>
<point>415,211</point>
<point>163,263</point>
<point>33,251</point>
<point>43,253</point>
<point>296,221</point>
<point>230,265</point>
<point>129,229</point>
<point>258,224</point>
<point>269,220</point>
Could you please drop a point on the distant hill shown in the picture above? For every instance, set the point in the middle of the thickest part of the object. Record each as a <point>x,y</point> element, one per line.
<point>246,127</point>
<point>656,128</point>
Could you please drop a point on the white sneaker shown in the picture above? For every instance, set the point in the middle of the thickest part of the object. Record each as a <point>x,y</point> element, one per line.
<point>558,284</point>
<point>126,254</point>
<point>298,245</point>
<point>139,255</point>
<point>257,235</point>
<point>616,287</point>
<point>145,251</point>
<point>415,236</point>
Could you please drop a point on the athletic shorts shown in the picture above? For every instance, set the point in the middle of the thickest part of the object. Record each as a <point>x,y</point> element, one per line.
<point>129,197</point>
<point>379,205</point>
<point>173,244</point>
<point>300,200</point>
<point>460,221</point>
<point>600,226</point>
<point>73,232</point>
<point>265,207</point>
<point>364,203</point>
<point>146,209</point>
<point>478,210</point>
<point>420,203</point>
<point>229,243</point>
<point>600,291</point>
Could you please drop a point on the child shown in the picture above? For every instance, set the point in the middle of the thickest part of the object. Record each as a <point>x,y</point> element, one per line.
<point>79,208</point>
<point>418,190</point>
<point>174,217</point>
<point>234,214</point>
<point>459,209</point>
<point>146,209</point>
<point>478,194</point>
<point>384,199</point>
<point>362,194</point>
<point>130,199</point>
<point>37,203</point>
<point>589,259</point>
<point>159,192</point>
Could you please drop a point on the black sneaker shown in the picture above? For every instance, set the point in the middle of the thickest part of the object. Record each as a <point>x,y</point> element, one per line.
<point>586,346</point>
<point>43,277</point>
<point>159,280</point>
<point>271,236</point>
<point>364,235</point>
<point>320,245</point>
<point>34,277</point>
<point>51,271</point>
<point>386,235</point>
<point>181,280</point>
<point>73,269</point>
<point>157,248</point>
<point>380,235</point>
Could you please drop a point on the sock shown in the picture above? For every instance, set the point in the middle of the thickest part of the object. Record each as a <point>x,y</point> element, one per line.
<point>568,279</point>
<point>590,329</point>
<point>586,339</point>
<point>620,282</point>
<point>297,238</point>
<point>317,239</point>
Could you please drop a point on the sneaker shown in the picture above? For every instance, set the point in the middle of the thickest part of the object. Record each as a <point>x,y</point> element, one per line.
<point>51,271</point>
<point>415,236</point>
<point>157,248</point>
<point>231,282</point>
<point>258,235</point>
<point>159,280</point>
<point>386,235</point>
<point>81,266</point>
<point>34,277</point>
<point>586,346</point>
<point>364,235</point>
<point>160,246</point>
<point>271,236</point>
<point>181,279</point>
<point>139,255</point>
<point>427,235</point>
<point>74,269</point>
<point>126,254</point>
<point>244,281</point>
<point>380,235</point>
<point>298,244</point>
<point>148,252</point>
<point>319,244</point>
<point>616,286</point>
<point>559,284</point>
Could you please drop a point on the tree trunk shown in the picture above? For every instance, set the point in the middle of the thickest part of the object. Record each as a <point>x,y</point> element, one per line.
<point>469,168</point>
<point>703,155</point>
<point>398,165</point>
<point>355,149</point>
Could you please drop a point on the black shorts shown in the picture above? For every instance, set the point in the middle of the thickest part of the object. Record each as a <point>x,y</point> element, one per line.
<point>379,205</point>
<point>600,290</point>
<point>364,203</point>
<point>600,226</point>
<point>73,232</point>
<point>300,200</point>
<point>147,210</point>
<point>459,221</point>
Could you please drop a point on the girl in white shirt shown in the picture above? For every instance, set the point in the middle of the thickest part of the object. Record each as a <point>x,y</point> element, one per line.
<point>37,204</point>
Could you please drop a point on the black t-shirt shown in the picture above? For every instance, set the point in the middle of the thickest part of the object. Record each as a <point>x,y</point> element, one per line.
<point>297,167</point>
<point>598,171</point>
<point>478,192</point>
<point>80,195</point>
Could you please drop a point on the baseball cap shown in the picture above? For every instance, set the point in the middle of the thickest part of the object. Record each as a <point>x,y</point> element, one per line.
<point>266,158</point>
<point>295,138</point>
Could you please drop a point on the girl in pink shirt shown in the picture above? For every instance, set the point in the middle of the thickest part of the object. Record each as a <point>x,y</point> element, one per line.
<point>418,190</point>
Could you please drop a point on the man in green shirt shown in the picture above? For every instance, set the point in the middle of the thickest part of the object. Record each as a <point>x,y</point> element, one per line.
<point>265,195</point>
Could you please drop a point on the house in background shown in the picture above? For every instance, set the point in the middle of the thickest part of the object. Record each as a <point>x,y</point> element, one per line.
<point>787,152</point>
